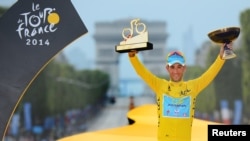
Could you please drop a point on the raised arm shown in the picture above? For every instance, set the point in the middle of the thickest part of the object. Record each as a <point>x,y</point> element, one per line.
<point>206,78</point>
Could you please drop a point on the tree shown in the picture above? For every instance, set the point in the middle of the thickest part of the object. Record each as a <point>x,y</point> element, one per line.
<point>59,88</point>
<point>2,10</point>
<point>245,34</point>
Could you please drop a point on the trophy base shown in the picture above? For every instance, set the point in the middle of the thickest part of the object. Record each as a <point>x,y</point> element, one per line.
<point>228,54</point>
<point>138,46</point>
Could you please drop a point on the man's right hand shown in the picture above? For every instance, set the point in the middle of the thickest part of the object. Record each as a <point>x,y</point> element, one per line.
<point>132,53</point>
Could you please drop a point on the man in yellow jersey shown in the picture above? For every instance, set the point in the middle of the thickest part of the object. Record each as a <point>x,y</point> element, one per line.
<point>176,98</point>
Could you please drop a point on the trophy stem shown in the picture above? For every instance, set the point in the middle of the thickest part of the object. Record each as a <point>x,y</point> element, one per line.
<point>228,53</point>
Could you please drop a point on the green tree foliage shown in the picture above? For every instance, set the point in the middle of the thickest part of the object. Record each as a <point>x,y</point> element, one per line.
<point>2,10</point>
<point>228,81</point>
<point>245,34</point>
<point>59,88</point>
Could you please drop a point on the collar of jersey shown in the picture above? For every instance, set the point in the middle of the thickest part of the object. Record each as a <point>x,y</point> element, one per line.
<point>176,83</point>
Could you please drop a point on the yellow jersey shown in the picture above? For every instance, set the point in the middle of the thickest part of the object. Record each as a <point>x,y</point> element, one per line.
<point>176,100</point>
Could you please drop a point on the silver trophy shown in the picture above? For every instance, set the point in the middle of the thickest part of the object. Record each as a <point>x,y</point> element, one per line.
<point>225,36</point>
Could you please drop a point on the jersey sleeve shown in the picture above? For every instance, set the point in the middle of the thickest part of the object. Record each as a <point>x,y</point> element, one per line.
<point>208,76</point>
<point>150,79</point>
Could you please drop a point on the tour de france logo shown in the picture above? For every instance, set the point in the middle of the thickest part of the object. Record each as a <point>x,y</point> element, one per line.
<point>33,24</point>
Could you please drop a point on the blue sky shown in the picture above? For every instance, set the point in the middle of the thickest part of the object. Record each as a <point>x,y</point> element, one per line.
<point>180,15</point>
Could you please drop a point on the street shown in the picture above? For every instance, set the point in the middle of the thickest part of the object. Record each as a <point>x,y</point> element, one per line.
<point>115,115</point>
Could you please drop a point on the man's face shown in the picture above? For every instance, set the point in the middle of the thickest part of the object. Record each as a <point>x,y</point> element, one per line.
<point>176,72</point>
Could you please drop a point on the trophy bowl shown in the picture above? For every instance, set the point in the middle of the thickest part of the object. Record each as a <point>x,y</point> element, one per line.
<point>225,36</point>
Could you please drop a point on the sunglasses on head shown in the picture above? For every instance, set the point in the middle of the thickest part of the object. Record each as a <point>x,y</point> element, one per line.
<point>175,53</point>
